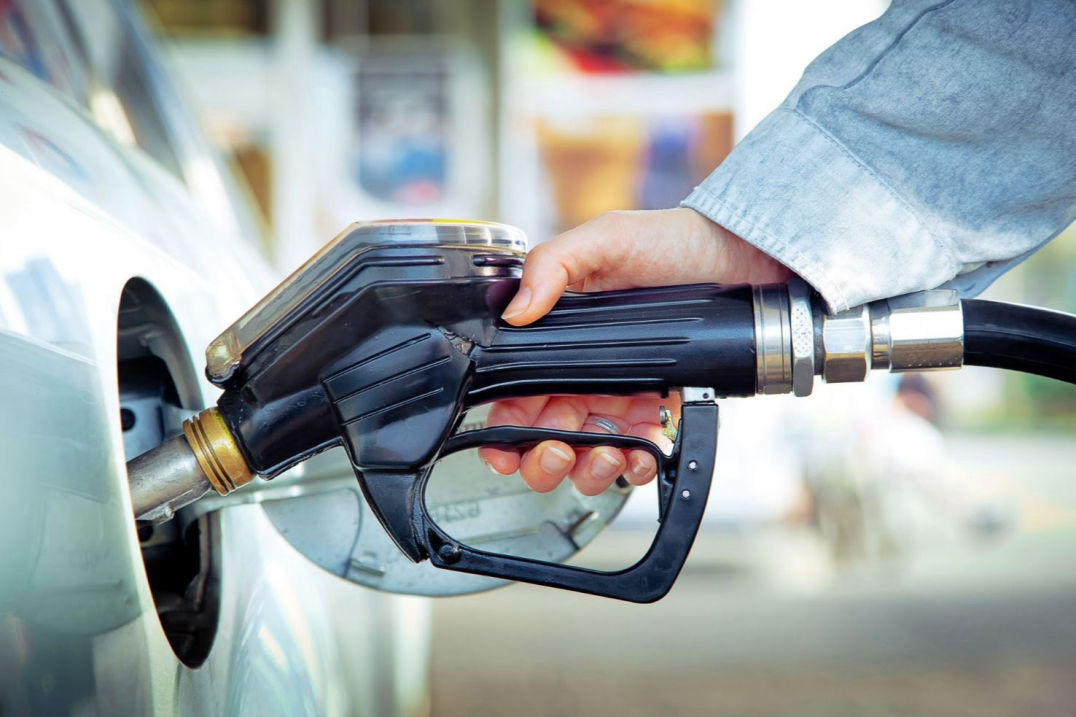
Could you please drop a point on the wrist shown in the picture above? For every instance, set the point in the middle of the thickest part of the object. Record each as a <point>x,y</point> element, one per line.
<point>739,260</point>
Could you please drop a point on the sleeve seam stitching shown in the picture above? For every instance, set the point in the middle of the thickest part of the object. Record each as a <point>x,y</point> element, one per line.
<point>946,251</point>
<point>895,42</point>
<point>803,262</point>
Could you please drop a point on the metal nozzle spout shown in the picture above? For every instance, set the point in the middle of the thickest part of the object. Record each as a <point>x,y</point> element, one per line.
<point>184,468</point>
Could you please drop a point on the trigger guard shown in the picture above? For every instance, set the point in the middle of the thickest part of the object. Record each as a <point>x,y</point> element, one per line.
<point>684,490</point>
<point>398,499</point>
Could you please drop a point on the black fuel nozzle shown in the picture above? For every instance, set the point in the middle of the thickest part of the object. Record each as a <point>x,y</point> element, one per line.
<point>386,337</point>
<point>395,333</point>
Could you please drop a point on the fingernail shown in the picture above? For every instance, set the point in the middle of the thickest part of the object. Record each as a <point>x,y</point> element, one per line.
<point>517,305</point>
<point>554,460</point>
<point>605,466</point>
<point>640,467</point>
<point>492,470</point>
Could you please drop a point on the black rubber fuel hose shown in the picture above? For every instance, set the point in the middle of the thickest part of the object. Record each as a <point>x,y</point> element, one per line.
<point>1020,338</point>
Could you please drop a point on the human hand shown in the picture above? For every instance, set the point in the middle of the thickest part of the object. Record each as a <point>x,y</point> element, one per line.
<point>635,249</point>
<point>592,470</point>
<point>617,250</point>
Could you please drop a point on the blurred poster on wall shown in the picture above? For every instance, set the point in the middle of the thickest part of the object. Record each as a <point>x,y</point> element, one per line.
<point>403,113</point>
<point>602,36</point>
<point>597,164</point>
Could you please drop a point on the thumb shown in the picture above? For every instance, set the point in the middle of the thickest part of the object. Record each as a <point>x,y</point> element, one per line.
<point>550,268</point>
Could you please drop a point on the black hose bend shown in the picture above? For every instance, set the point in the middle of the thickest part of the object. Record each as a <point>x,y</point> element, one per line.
<point>1020,338</point>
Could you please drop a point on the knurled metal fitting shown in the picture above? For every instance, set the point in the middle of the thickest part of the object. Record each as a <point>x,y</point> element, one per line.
<point>846,344</point>
<point>216,451</point>
<point>801,321</point>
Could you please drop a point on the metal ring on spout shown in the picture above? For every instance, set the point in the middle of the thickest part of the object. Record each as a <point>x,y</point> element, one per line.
<point>216,451</point>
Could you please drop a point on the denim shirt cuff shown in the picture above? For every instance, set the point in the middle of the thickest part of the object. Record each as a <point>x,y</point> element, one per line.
<point>791,190</point>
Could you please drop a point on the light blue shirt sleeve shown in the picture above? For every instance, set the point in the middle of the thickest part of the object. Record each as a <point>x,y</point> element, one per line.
<point>933,146</point>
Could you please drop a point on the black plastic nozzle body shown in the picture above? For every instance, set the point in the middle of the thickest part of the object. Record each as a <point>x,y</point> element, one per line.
<point>387,359</point>
<point>625,342</point>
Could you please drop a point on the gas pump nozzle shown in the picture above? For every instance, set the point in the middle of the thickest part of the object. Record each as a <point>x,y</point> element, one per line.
<point>386,337</point>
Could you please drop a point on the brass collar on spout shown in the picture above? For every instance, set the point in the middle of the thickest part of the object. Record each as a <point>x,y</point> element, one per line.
<point>216,451</point>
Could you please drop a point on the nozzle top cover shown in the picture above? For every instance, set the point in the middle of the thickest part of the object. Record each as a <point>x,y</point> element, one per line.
<point>225,353</point>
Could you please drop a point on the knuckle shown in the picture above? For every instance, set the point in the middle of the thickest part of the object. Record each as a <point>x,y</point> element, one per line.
<point>536,252</point>
<point>615,215</point>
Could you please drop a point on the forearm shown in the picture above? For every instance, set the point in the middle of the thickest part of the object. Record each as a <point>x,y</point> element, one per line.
<point>936,143</point>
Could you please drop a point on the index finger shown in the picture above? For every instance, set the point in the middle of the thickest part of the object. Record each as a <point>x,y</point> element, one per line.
<point>551,267</point>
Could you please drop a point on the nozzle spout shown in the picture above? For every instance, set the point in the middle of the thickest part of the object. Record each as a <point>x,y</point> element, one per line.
<point>165,479</point>
<point>184,468</point>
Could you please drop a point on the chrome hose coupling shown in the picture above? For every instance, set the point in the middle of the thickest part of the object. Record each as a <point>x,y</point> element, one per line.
<point>796,339</point>
<point>923,331</point>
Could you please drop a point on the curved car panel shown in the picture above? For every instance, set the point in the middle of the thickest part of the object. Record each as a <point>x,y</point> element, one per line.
<point>81,216</point>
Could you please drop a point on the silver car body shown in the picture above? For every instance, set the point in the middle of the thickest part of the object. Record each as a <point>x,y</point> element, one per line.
<point>82,214</point>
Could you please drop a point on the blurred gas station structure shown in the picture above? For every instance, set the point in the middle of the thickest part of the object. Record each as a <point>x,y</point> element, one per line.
<point>890,548</point>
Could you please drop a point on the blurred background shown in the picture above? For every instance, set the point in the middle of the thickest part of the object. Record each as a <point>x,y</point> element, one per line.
<point>895,548</point>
